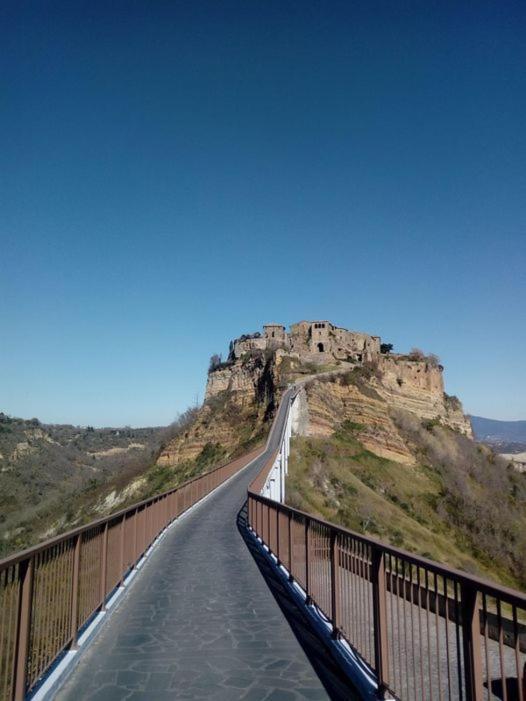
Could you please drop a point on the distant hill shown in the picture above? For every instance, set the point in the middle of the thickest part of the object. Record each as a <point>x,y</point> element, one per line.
<point>43,467</point>
<point>493,431</point>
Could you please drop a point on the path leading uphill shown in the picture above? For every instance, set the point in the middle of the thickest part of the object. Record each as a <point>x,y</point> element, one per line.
<point>202,621</point>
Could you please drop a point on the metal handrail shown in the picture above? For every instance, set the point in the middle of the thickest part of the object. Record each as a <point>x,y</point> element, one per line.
<point>475,628</point>
<point>49,592</point>
<point>23,554</point>
<point>490,588</point>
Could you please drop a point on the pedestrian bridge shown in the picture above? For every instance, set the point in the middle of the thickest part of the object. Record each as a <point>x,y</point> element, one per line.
<point>218,590</point>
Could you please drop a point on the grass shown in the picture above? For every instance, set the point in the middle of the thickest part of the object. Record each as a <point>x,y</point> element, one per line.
<point>339,480</point>
<point>292,369</point>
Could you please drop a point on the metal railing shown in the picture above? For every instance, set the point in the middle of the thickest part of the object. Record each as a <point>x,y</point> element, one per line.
<point>48,593</point>
<point>425,630</point>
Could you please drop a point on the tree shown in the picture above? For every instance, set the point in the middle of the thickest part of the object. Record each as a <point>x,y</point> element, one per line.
<point>215,362</point>
<point>416,354</point>
<point>433,360</point>
<point>386,348</point>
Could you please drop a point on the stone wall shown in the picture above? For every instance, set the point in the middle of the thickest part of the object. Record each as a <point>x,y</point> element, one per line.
<point>247,344</point>
<point>322,341</point>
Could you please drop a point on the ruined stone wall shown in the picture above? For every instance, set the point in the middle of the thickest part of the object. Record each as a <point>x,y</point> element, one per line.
<point>275,333</point>
<point>336,343</point>
<point>246,345</point>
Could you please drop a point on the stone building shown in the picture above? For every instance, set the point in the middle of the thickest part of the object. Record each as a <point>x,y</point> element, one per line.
<point>323,341</point>
<point>275,335</point>
<point>316,341</point>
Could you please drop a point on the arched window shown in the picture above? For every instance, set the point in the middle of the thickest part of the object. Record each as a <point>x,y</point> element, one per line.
<point>320,347</point>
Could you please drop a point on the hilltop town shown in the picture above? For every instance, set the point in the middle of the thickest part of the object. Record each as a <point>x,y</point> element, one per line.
<point>412,381</point>
<point>316,341</point>
<point>379,447</point>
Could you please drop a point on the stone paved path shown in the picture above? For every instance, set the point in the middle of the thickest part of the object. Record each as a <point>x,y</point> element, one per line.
<point>200,622</point>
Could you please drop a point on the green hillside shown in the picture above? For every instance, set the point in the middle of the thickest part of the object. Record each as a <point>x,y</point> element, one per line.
<point>456,505</point>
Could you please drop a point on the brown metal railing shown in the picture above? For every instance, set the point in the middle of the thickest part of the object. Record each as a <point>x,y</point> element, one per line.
<point>426,630</point>
<point>49,592</point>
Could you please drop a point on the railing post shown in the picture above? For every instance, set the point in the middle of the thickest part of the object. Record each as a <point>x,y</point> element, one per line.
<point>291,576</point>
<point>23,629</point>
<point>145,528</point>
<point>471,643</point>
<point>104,567</point>
<point>135,553</point>
<point>277,535</point>
<point>308,600</point>
<point>75,593</point>
<point>121,551</point>
<point>380,620</point>
<point>335,585</point>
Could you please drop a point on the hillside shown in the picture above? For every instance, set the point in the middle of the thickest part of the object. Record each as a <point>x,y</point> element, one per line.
<point>53,478</point>
<point>43,467</point>
<point>492,431</point>
<point>456,503</point>
<point>368,463</point>
<point>381,449</point>
<point>508,438</point>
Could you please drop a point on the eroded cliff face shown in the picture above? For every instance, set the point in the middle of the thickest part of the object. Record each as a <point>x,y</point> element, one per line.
<point>242,394</point>
<point>331,403</point>
<point>418,386</point>
<point>370,395</point>
<point>240,402</point>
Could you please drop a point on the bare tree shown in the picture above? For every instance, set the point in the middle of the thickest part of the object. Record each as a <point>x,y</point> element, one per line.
<point>433,360</point>
<point>215,362</point>
<point>416,354</point>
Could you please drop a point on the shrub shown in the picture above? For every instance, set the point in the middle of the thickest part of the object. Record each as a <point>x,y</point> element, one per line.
<point>416,354</point>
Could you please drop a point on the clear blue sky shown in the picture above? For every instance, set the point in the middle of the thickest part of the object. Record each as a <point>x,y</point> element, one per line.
<point>173,174</point>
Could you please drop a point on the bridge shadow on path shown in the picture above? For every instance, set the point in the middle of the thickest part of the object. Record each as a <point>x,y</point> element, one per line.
<point>336,683</point>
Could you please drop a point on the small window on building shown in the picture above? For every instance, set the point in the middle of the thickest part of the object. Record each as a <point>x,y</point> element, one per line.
<point>320,347</point>
<point>273,334</point>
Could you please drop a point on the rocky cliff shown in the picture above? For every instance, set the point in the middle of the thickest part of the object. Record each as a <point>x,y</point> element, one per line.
<point>365,388</point>
<point>240,399</point>
<point>417,385</point>
<point>369,398</point>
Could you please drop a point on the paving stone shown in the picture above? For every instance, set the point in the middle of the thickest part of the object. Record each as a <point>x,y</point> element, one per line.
<point>131,680</point>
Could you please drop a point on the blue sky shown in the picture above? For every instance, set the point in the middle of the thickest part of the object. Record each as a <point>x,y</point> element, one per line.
<point>174,174</point>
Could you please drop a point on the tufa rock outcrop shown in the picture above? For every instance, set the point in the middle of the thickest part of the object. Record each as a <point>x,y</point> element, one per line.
<point>346,378</point>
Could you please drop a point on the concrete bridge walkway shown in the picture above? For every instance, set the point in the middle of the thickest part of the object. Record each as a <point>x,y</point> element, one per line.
<point>203,621</point>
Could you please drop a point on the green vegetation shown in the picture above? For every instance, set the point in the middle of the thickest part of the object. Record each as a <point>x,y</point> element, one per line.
<point>292,369</point>
<point>160,478</point>
<point>53,476</point>
<point>454,505</point>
